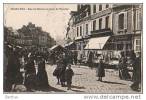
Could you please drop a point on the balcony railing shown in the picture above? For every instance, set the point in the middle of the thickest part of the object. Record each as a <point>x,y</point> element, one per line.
<point>107,31</point>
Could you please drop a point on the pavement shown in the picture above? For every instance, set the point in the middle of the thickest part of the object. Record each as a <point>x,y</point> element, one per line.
<point>85,81</point>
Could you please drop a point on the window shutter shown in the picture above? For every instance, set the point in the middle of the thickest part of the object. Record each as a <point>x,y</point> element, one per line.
<point>125,20</point>
<point>116,22</point>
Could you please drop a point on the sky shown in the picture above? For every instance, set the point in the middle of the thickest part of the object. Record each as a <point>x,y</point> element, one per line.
<point>53,18</point>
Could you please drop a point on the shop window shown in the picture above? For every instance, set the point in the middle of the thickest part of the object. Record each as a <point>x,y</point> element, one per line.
<point>120,46</point>
<point>94,25</point>
<point>138,45</point>
<point>94,8</point>
<point>128,46</point>
<point>137,48</point>
<point>107,22</point>
<point>121,21</point>
<point>138,42</point>
<point>100,23</point>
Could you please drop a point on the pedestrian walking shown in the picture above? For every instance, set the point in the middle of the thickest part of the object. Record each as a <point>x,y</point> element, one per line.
<point>100,71</point>
<point>123,71</point>
<point>30,74</point>
<point>63,68</point>
<point>57,71</point>
<point>42,78</point>
<point>79,58</point>
<point>75,55</point>
<point>68,76</point>
<point>90,60</point>
<point>136,72</point>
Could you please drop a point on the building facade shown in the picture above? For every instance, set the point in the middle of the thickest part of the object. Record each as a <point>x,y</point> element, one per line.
<point>127,27</point>
<point>31,37</point>
<point>121,24</point>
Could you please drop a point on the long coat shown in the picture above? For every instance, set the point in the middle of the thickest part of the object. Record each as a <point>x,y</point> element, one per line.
<point>42,78</point>
<point>137,70</point>
<point>90,59</point>
<point>12,71</point>
<point>30,75</point>
<point>68,75</point>
<point>63,68</point>
<point>123,71</point>
<point>100,72</point>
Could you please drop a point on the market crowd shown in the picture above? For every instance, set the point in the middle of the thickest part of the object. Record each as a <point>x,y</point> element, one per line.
<point>24,70</point>
<point>27,68</point>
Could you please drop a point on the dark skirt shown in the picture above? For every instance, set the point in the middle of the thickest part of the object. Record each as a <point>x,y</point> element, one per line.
<point>30,81</point>
<point>62,76</point>
<point>42,79</point>
<point>100,72</point>
<point>124,74</point>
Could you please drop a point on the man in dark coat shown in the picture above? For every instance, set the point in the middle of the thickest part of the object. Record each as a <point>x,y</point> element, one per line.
<point>100,72</point>
<point>12,71</point>
<point>90,59</point>
<point>75,57</point>
<point>57,71</point>
<point>136,72</point>
<point>68,76</point>
<point>123,71</point>
<point>63,68</point>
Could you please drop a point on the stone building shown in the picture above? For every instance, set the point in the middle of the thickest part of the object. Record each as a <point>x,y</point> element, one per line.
<point>31,37</point>
<point>107,28</point>
<point>127,27</point>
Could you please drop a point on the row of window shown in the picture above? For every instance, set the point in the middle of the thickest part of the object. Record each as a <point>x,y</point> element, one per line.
<point>120,20</point>
<point>100,7</point>
<point>100,23</point>
<point>79,29</point>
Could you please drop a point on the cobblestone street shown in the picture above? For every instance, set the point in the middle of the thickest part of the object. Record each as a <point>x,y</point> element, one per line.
<point>85,81</point>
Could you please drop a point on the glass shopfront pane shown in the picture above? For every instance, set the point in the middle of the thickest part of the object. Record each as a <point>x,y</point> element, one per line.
<point>120,46</point>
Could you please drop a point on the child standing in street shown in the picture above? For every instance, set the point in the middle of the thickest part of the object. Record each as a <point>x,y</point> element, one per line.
<point>68,75</point>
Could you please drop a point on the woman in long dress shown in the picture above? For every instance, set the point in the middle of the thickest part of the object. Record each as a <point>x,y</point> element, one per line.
<point>42,78</point>
<point>100,72</point>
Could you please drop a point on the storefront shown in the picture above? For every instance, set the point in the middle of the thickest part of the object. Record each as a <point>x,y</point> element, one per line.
<point>121,43</point>
<point>137,43</point>
<point>110,47</point>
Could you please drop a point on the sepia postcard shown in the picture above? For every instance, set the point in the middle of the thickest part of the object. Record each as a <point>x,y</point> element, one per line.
<point>91,48</point>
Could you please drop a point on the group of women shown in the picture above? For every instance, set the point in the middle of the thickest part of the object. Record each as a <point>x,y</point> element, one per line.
<point>24,68</point>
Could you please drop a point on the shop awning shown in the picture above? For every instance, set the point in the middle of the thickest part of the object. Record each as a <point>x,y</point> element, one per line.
<point>56,47</point>
<point>68,44</point>
<point>97,43</point>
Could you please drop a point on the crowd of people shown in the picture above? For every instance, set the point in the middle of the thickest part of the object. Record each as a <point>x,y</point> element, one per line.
<point>24,68</point>
<point>135,64</point>
<point>27,68</point>
<point>63,71</point>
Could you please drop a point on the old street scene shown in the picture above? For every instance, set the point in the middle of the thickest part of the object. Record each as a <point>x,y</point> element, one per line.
<point>73,48</point>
